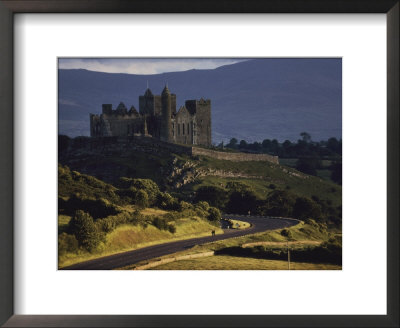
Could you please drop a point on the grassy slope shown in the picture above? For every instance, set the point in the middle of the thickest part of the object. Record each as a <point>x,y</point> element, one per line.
<point>70,182</point>
<point>236,224</point>
<point>110,168</point>
<point>129,237</point>
<point>303,235</point>
<point>148,166</point>
<point>140,165</point>
<point>235,263</point>
<point>125,237</point>
<point>268,174</point>
<point>324,172</point>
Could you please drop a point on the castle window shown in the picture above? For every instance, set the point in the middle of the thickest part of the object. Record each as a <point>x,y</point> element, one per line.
<point>188,130</point>
<point>179,130</point>
<point>183,129</point>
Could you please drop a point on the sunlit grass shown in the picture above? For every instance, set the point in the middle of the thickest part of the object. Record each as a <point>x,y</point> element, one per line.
<point>236,224</point>
<point>130,237</point>
<point>241,263</point>
<point>153,211</point>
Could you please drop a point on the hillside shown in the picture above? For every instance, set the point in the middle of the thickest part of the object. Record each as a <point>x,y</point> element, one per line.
<point>201,178</point>
<point>251,100</point>
<point>97,219</point>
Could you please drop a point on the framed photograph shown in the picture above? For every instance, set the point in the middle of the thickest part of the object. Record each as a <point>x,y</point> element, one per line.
<point>166,163</point>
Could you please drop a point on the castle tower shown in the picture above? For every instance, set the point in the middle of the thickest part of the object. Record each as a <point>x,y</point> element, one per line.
<point>145,132</point>
<point>165,131</point>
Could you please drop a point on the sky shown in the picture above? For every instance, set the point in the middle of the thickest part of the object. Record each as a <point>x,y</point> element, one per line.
<point>144,65</point>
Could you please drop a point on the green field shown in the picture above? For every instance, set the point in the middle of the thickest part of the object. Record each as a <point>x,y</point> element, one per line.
<point>303,236</point>
<point>265,177</point>
<point>238,263</point>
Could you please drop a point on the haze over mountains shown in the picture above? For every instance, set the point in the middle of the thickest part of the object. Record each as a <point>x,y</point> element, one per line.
<point>251,100</point>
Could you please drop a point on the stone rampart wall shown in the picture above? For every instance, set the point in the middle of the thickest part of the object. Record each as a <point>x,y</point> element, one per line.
<point>122,145</point>
<point>235,157</point>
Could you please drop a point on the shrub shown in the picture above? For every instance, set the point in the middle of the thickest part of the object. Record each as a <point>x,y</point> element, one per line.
<point>185,205</point>
<point>203,205</point>
<point>305,208</point>
<point>242,201</point>
<point>85,231</point>
<point>171,228</point>
<point>146,185</point>
<point>215,196</point>
<point>160,223</point>
<point>278,203</point>
<point>67,243</point>
<point>214,214</point>
<point>97,208</point>
<point>166,201</point>
<point>308,165</point>
<point>171,216</point>
<point>107,224</point>
<point>287,233</point>
<point>141,199</point>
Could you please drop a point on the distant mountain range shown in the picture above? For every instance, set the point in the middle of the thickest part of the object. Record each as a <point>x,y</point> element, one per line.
<point>251,100</point>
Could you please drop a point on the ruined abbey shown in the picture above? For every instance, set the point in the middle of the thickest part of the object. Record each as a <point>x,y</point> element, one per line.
<point>157,118</point>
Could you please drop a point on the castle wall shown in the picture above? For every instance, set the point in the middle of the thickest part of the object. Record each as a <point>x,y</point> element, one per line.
<point>123,125</point>
<point>150,145</point>
<point>235,157</point>
<point>157,105</point>
<point>192,126</point>
<point>183,127</point>
<point>166,124</point>
<point>173,103</point>
<point>146,105</point>
<point>202,122</point>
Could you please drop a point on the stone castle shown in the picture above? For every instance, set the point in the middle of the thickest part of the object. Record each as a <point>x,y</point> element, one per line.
<point>157,118</point>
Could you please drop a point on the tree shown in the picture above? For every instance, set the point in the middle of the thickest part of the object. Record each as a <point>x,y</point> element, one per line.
<point>167,202</point>
<point>67,243</point>
<point>215,196</point>
<point>336,174</point>
<point>308,165</point>
<point>243,144</point>
<point>63,142</point>
<point>334,145</point>
<point>305,137</point>
<point>214,214</point>
<point>266,144</point>
<point>233,143</point>
<point>134,185</point>
<point>141,199</point>
<point>242,201</point>
<point>278,203</point>
<point>83,228</point>
<point>306,208</point>
<point>203,205</point>
<point>256,146</point>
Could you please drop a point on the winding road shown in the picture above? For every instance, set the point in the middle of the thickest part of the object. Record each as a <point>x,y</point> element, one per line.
<point>258,224</point>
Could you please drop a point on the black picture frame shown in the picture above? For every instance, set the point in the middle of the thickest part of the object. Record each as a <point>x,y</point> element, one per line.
<point>10,7</point>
